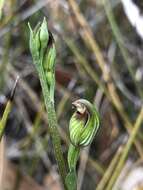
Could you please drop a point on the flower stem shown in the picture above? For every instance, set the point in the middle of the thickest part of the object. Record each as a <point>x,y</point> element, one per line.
<point>73,155</point>
<point>71,178</point>
<point>52,120</point>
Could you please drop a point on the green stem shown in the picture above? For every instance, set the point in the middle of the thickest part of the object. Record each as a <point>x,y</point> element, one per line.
<point>71,178</point>
<point>73,155</point>
<point>52,121</point>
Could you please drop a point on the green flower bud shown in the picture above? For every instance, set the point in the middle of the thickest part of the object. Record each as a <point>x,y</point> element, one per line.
<point>84,123</point>
<point>44,35</point>
<point>49,59</point>
<point>44,54</point>
<point>49,67</point>
<point>39,38</point>
<point>34,43</point>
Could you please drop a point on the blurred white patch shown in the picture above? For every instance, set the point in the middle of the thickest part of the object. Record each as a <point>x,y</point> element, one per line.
<point>139,74</point>
<point>134,179</point>
<point>134,16</point>
<point>2,99</point>
<point>131,177</point>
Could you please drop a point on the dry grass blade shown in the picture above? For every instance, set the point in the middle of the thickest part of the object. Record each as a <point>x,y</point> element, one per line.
<point>126,150</point>
<point>101,185</point>
<point>2,162</point>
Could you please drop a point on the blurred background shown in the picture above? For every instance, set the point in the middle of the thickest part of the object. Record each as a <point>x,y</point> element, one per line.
<point>99,58</point>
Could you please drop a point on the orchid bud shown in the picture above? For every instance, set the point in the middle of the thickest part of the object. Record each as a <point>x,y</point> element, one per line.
<point>43,51</point>
<point>39,38</point>
<point>84,123</point>
<point>44,35</point>
<point>49,68</point>
<point>34,43</point>
<point>49,62</point>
